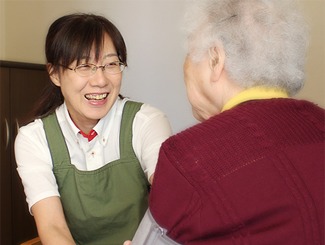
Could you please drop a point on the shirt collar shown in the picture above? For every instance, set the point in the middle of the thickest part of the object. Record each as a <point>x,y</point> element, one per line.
<point>255,93</point>
<point>102,128</point>
<point>71,124</point>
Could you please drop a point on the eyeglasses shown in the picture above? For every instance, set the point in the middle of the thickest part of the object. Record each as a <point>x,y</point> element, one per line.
<point>85,70</point>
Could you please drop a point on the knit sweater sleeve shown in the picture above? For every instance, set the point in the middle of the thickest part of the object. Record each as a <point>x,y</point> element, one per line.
<point>173,199</point>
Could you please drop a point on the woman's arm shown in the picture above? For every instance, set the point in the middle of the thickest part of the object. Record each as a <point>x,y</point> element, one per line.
<point>50,221</point>
<point>150,129</point>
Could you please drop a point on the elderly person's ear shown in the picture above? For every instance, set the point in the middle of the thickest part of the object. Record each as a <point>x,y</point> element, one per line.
<point>213,57</point>
<point>217,59</point>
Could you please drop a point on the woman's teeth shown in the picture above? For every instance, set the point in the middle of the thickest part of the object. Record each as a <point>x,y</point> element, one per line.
<point>96,96</point>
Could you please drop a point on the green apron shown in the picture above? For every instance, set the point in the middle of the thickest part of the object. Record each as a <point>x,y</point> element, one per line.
<point>103,206</point>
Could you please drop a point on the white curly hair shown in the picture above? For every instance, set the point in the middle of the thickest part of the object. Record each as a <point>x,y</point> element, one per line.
<point>265,41</point>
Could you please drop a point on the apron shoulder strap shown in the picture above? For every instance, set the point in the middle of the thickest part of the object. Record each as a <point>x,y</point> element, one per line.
<point>130,109</point>
<point>57,145</point>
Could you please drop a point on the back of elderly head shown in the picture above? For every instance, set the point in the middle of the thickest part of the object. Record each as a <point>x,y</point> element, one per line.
<point>264,41</point>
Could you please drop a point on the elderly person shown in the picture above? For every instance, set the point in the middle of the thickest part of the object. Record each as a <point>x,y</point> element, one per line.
<point>252,170</point>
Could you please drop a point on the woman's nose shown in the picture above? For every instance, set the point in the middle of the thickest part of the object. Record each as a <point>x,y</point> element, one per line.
<point>99,79</point>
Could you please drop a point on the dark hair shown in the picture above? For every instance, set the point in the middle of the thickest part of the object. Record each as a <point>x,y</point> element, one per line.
<point>71,38</point>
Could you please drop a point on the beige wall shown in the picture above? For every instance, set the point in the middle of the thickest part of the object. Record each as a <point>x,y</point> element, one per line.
<point>24,23</point>
<point>314,89</point>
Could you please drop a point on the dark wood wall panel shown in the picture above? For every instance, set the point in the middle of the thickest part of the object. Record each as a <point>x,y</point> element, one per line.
<point>20,87</point>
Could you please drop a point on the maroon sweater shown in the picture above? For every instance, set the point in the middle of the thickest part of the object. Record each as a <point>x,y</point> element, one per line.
<point>250,175</point>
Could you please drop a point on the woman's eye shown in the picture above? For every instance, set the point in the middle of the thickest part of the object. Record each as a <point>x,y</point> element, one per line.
<point>85,67</point>
<point>112,64</point>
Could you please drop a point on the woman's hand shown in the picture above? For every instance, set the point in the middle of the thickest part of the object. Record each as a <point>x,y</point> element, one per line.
<point>127,243</point>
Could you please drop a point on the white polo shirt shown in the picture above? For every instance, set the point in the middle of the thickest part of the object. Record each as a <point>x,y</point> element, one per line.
<point>35,167</point>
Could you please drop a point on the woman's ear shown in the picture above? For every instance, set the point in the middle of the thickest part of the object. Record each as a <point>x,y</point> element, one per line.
<point>217,61</point>
<point>54,75</point>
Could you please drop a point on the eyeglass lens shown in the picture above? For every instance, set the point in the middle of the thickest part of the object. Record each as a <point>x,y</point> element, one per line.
<point>90,69</point>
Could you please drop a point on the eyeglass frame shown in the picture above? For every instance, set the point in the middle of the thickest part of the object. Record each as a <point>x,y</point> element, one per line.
<point>96,67</point>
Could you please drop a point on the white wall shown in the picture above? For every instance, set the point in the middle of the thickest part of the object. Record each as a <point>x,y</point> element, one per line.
<point>154,41</point>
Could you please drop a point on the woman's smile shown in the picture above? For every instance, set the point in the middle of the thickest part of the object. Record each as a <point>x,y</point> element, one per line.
<point>97,99</point>
<point>96,96</point>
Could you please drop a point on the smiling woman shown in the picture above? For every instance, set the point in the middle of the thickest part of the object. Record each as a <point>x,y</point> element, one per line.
<point>88,92</point>
<point>88,158</point>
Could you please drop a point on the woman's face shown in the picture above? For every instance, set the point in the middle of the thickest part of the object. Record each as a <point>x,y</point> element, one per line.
<point>90,98</point>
